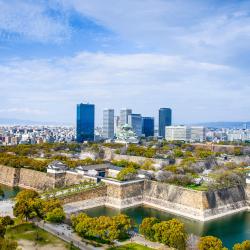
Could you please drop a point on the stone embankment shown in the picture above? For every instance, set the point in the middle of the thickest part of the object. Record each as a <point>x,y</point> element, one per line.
<point>186,202</point>
<point>202,206</point>
<point>110,155</point>
<point>31,179</point>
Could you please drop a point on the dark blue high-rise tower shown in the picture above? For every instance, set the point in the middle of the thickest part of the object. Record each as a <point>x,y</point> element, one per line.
<point>148,126</point>
<point>85,122</point>
<point>165,119</point>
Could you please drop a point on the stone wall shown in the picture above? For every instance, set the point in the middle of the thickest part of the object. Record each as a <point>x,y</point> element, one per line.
<point>71,179</point>
<point>195,204</point>
<point>190,203</point>
<point>122,195</point>
<point>109,155</point>
<point>139,159</point>
<point>90,194</point>
<point>28,178</point>
<point>35,179</point>
<point>9,176</point>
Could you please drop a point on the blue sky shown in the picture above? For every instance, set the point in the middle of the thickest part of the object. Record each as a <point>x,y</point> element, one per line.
<point>192,56</point>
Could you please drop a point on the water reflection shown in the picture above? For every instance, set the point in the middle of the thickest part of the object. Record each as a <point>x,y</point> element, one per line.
<point>9,192</point>
<point>231,229</point>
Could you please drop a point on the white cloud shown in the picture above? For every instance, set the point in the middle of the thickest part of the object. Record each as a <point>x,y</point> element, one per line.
<point>30,19</point>
<point>25,111</point>
<point>142,81</point>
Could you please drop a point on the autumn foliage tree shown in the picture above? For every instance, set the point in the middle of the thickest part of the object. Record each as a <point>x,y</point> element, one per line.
<point>103,227</point>
<point>245,245</point>
<point>29,206</point>
<point>210,243</point>
<point>146,228</point>
<point>171,233</point>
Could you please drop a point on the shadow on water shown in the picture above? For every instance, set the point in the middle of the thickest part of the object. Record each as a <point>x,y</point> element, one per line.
<point>9,192</point>
<point>230,229</point>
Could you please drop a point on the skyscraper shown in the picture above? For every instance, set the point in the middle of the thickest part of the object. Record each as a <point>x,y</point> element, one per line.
<point>108,123</point>
<point>165,119</point>
<point>148,126</point>
<point>85,124</point>
<point>135,121</point>
<point>124,113</point>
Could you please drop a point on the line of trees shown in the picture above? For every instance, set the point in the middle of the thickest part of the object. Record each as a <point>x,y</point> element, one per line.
<point>171,233</point>
<point>29,205</point>
<point>211,242</point>
<point>5,243</point>
<point>104,228</point>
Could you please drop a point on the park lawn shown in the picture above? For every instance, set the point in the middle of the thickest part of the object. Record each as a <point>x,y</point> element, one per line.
<point>131,246</point>
<point>28,232</point>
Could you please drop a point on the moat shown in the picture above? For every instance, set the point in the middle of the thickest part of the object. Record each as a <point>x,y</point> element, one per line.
<point>9,192</point>
<point>230,229</point>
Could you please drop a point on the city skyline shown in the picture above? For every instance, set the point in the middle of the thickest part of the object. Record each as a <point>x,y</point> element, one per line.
<point>188,55</point>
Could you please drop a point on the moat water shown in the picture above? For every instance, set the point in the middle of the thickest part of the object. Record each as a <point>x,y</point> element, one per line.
<point>9,192</point>
<point>230,229</point>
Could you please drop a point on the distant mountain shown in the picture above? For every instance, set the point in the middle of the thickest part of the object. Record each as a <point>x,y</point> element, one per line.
<point>13,121</point>
<point>230,125</point>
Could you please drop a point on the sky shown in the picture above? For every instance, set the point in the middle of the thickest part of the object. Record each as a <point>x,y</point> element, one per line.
<point>190,55</point>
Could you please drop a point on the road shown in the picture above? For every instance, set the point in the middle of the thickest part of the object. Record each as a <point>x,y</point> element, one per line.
<point>66,233</point>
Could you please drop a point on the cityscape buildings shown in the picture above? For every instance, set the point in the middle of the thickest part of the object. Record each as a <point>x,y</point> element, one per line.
<point>198,134</point>
<point>108,123</point>
<point>177,133</point>
<point>148,126</point>
<point>85,125</point>
<point>135,122</point>
<point>165,119</point>
<point>16,134</point>
<point>124,113</point>
<point>185,133</point>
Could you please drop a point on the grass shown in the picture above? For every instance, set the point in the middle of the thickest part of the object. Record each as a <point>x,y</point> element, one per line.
<point>131,246</point>
<point>28,231</point>
<point>197,187</point>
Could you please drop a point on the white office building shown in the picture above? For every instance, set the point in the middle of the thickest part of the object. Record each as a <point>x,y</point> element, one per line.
<point>177,133</point>
<point>108,123</point>
<point>135,121</point>
<point>198,134</point>
<point>185,133</point>
<point>124,113</point>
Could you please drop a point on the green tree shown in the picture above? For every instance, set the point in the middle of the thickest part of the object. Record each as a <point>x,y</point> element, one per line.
<point>171,233</point>
<point>146,228</point>
<point>210,243</point>
<point>8,244</point>
<point>26,195</point>
<point>238,151</point>
<point>128,173</point>
<point>178,153</point>
<point>2,230</point>
<point>245,245</point>
<point>6,221</point>
<point>57,215</point>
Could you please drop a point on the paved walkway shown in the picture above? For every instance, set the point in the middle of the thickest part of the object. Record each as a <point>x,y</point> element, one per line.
<point>66,233</point>
<point>6,208</point>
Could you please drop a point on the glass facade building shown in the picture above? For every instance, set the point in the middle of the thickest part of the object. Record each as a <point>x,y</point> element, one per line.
<point>108,123</point>
<point>148,126</point>
<point>85,124</point>
<point>124,113</point>
<point>135,121</point>
<point>165,119</point>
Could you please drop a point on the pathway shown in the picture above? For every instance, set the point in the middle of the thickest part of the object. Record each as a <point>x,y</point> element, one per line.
<point>65,232</point>
<point>6,208</point>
